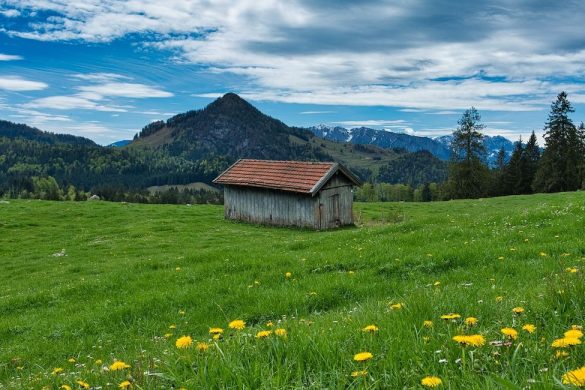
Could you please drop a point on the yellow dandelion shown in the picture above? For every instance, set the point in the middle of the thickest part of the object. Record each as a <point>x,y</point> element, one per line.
<point>471,321</point>
<point>431,381</point>
<point>118,365</point>
<point>357,374</point>
<point>288,275</point>
<point>428,324</point>
<point>475,340</point>
<point>572,270</point>
<point>215,330</point>
<point>362,356</point>
<point>184,342</point>
<point>574,333</point>
<point>269,324</point>
<point>167,335</point>
<point>450,316</point>
<point>237,324</point>
<point>370,329</point>
<point>65,387</point>
<point>71,360</point>
<point>518,310</point>
<point>125,385</point>
<point>216,336</point>
<point>82,384</point>
<point>565,342</point>
<point>529,328</point>
<point>263,334</point>
<point>57,371</point>
<point>396,306</point>
<point>561,354</point>
<point>510,333</point>
<point>575,377</point>
<point>98,362</point>
<point>202,347</point>
<point>499,298</point>
<point>280,332</point>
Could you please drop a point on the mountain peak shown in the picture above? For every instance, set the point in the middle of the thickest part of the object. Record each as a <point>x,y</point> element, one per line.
<point>230,101</point>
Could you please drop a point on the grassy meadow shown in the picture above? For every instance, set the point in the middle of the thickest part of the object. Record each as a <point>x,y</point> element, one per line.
<point>83,285</point>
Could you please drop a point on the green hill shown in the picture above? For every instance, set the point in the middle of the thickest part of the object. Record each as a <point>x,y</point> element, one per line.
<point>77,294</point>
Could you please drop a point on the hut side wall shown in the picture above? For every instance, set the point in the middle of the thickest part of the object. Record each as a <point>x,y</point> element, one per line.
<point>264,206</point>
<point>336,199</point>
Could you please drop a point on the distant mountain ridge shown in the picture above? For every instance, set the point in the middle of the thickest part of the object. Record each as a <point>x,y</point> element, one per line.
<point>21,131</point>
<point>438,146</point>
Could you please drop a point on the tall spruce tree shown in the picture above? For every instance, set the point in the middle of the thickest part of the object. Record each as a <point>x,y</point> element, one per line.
<point>531,157</point>
<point>498,173</point>
<point>561,165</point>
<point>468,174</point>
<point>514,170</point>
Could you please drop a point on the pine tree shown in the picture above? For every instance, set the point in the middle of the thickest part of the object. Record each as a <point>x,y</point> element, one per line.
<point>561,165</point>
<point>531,156</point>
<point>468,175</point>
<point>498,173</point>
<point>514,169</point>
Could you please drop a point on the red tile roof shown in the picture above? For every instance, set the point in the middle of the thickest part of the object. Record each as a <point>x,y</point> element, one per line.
<point>296,176</point>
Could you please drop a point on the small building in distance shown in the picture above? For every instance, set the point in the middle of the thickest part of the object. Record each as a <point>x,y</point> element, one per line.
<point>316,195</point>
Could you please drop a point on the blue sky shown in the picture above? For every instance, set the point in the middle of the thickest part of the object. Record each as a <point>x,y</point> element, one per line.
<point>103,69</point>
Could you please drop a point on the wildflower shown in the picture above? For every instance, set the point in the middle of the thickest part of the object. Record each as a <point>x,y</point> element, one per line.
<point>576,327</point>
<point>529,328</point>
<point>499,299</point>
<point>82,384</point>
<point>98,362</point>
<point>471,321</point>
<point>202,347</point>
<point>71,360</point>
<point>269,324</point>
<point>370,329</point>
<point>431,381</point>
<point>65,387</point>
<point>173,326</point>
<point>437,284</point>
<point>575,377</point>
<point>216,336</point>
<point>118,365</point>
<point>181,312</point>
<point>237,324</point>
<point>396,306</point>
<point>543,254</point>
<point>572,270</point>
<point>288,275</point>
<point>57,371</point>
<point>475,340</point>
<point>125,385</point>
<point>280,332</point>
<point>426,339</point>
<point>450,316</point>
<point>167,335</point>
<point>184,342</point>
<point>574,333</point>
<point>518,310</point>
<point>263,334</point>
<point>178,269</point>
<point>428,324</point>
<point>565,342</point>
<point>561,354</point>
<point>362,356</point>
<point>215,331</point>
<point>510,333</point>
<point>357,374</point>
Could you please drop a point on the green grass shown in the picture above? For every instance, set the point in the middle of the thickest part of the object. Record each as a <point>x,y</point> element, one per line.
<point>130,269</point>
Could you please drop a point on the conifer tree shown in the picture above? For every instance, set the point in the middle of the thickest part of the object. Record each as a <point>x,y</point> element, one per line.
<point>468,174</point>
<point>561,165</point>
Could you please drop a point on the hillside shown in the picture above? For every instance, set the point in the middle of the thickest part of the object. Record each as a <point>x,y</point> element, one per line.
<point>21,131</point>
<point>78,295</point>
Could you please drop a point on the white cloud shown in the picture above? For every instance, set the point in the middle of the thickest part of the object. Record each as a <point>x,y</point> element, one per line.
<point>9,57</point>
<point>373,122</point>
<point>71,103</point>
<point>132,90</point>
<point>100,77</point>
<point>316,112</point>
<point>10,13</point>
<point>15,83</point>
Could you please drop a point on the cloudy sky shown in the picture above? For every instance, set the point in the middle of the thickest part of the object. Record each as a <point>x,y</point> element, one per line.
<point>104,68</point>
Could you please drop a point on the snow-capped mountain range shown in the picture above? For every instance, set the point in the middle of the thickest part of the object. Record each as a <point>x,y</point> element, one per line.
<point>438,146</point>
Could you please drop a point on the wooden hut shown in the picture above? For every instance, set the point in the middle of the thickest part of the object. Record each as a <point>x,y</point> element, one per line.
<point>315,195</point>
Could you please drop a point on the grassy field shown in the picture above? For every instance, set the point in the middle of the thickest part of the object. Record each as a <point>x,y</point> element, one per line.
<point>83,285</point>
